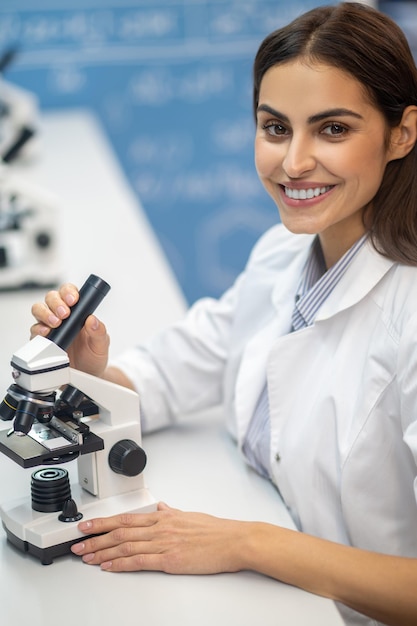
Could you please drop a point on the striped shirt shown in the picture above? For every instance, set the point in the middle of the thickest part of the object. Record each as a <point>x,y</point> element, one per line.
<point>315,285</point>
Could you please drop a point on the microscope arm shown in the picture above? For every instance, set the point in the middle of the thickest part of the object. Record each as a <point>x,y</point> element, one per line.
<point>118,404</point>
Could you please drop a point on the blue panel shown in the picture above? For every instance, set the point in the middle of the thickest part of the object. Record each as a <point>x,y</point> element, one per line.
<point>171,84</point>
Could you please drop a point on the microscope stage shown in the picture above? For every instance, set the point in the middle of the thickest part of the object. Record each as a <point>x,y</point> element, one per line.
<point>27,452</point>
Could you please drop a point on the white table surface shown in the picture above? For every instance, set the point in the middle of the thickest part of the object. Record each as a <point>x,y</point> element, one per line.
<point>194,466</point>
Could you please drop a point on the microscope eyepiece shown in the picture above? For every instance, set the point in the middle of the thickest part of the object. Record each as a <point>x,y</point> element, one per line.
<point>91,294</point>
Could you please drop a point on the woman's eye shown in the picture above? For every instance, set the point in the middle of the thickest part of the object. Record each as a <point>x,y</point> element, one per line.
<point>335,130</point>
<point>274,128</point>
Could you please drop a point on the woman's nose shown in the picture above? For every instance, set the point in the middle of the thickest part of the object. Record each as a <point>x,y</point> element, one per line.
<point>299,157</point>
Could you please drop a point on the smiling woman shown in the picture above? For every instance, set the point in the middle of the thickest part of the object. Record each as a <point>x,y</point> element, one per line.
<point>313,351</point>
<point>322,158</point>
<point>387,79</point>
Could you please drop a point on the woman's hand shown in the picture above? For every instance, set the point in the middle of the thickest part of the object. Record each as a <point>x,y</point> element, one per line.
<point>167,540</point>
<point>380,586</point>
<point>89,350</point>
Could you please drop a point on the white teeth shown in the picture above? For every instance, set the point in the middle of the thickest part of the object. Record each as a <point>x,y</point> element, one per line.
<point>303,194</point>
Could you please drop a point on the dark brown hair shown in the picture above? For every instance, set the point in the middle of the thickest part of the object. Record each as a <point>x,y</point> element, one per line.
<point>368,45</point>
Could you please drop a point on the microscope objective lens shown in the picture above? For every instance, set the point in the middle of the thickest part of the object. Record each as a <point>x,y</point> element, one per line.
<point>8,408</point>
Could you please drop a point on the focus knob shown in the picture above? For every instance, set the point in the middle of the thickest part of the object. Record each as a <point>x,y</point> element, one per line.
<point>127,458</point>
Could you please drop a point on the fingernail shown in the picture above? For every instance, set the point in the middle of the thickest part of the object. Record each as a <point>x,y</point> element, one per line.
<point>88,557</point>
<point>62,311</point>
<point>85,525</point>
<point>53,319</point>
<point>94,324</point>
<point>78,547</point>
<point>69,299</point>
<point>106,565</point>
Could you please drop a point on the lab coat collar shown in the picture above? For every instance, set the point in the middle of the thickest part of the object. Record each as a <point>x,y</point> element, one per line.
<point>367,268</point>
<point>365,271</point>
<point>286,283</point>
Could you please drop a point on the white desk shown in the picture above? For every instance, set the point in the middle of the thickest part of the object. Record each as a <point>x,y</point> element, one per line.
<point>195,466</point>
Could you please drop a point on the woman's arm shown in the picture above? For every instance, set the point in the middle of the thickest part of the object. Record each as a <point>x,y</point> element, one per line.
<point>380,586</point>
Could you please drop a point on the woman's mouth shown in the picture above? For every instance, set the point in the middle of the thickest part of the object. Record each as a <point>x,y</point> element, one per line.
<point>305,194</point>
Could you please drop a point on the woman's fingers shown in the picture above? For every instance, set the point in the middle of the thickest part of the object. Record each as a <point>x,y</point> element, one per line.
<point>56,307</point>
<point>169,540</point>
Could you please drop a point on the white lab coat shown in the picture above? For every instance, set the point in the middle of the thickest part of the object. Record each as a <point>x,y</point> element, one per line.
<point>343,392</point>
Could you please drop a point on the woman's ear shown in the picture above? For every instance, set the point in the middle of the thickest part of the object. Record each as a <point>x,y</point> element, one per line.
<point>404,136</point>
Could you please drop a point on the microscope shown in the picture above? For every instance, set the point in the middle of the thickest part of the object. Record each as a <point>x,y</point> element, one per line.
<point>29,251</point>
<point>59,415</point>
<point>29,246</point>
<point>18,115</point>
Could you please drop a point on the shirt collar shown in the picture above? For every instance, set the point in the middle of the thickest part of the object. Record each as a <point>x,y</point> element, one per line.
<point>316,283</point>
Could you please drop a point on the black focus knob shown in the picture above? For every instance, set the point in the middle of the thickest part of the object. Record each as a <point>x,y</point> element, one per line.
<point>127,458</point>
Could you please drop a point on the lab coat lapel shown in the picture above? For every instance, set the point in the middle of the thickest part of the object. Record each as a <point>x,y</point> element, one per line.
<point>290,369</point>
<point>366,270</point>
<point>252,373</point>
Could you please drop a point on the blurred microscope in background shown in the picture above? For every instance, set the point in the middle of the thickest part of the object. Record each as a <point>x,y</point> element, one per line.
<point>28,214</point>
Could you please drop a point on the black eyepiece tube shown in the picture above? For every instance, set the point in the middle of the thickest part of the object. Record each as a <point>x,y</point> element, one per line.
<point>91,294</point>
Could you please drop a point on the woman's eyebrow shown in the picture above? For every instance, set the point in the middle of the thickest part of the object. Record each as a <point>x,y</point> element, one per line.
<point>340,112</point>
<point>318,117</point>
<point>271,111</point>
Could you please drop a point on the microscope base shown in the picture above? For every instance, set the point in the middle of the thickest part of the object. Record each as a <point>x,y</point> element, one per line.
<point>42,535</point>
<point>45,555</point>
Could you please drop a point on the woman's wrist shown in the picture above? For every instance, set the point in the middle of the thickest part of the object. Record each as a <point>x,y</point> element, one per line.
<point>253,545</point>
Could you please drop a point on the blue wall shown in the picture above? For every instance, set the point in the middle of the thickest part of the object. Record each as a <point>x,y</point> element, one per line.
<point>171,83</point>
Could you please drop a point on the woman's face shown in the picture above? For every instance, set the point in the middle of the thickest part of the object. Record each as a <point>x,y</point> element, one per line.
<point>320,151</point>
